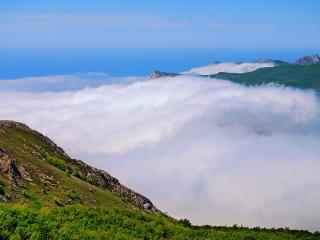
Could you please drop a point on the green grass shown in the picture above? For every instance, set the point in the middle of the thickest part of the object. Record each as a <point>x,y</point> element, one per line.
<point>40,160</point>
<point>79,222</point>
<point>305,77</point>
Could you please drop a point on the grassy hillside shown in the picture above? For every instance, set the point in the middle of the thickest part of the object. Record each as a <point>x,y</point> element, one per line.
<point>46,178</point>
<point>47,195</point>
<point>305,77</point>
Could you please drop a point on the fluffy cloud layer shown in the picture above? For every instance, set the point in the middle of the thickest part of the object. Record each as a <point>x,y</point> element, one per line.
<point>208,150</point>
<point>230,67</point>
<point>62,82</point>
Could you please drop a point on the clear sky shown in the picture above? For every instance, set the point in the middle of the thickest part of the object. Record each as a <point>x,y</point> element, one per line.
<point>238,24</point>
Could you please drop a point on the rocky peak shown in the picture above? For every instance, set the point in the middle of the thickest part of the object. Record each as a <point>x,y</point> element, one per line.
<point>308,60</point>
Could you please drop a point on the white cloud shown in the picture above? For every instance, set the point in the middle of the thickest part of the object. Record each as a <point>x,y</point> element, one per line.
<point>208,150</point>
<point>63,82</point>
<point>230,67</point>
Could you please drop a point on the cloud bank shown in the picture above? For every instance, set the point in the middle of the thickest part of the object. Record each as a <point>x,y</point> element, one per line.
<point>60,83</point>
<point>230,67</point>
<point>208,150</point>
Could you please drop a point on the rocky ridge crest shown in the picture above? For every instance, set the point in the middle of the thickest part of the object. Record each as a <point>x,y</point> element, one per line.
<point>17,174</point>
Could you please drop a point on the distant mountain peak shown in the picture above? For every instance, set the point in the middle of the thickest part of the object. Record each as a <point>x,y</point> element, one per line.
<point>308,60</point>
<point>159,74</point>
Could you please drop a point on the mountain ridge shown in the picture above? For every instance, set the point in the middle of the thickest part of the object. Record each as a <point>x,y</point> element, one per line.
<point>17,171</point>
<point>305,74</point>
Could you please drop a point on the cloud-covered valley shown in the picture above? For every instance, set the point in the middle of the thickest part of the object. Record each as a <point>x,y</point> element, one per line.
<point>208,150</point>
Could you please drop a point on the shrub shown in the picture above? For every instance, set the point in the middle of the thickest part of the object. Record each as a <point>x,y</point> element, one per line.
<point>79,222</point>
<point>185,222</point>
<point>58,163</point>
<point>79,175</point>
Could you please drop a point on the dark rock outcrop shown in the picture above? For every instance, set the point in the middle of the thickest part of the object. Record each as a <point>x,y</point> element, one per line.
<point>159,74</point>
<point>308,60</point>
<point>104,180</point>
<point>8,167</point>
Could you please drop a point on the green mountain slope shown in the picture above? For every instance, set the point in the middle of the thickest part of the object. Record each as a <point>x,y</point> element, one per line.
<point>301,76</point>
<point>36,171</point>
<point>47,195</point>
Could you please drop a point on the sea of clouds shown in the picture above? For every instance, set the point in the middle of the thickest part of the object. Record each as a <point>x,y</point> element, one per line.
<point>209,150</point>
<point>230,67</point>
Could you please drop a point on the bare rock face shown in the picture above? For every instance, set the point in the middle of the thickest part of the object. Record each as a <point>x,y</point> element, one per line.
<point>8,166</point>
<point>308,60</point>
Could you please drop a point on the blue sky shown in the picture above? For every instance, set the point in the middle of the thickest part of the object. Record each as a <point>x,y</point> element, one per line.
<point>241,24</point>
